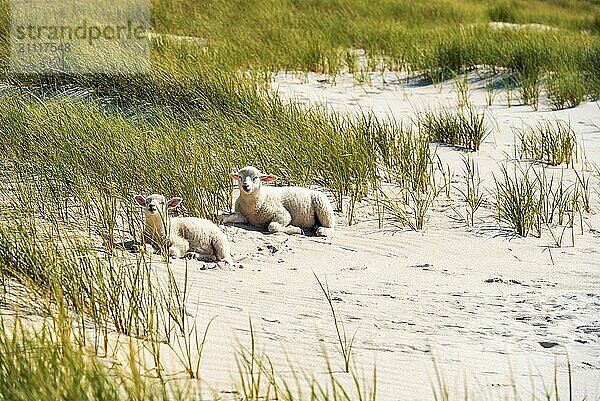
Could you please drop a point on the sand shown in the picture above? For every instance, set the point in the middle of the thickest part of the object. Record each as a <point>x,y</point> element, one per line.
<point>491,308</point>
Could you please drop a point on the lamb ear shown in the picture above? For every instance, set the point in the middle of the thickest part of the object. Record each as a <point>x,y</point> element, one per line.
<point>173,202</point>
<point>140,200</point>
<point>268,177</point>
<point>234,176</point>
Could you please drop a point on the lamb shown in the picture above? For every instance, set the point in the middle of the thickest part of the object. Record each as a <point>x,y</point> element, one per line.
<point>185,234</point>
<point>280,209</point>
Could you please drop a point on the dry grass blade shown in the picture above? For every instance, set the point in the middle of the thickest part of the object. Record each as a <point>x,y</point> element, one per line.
<point>344,341</point>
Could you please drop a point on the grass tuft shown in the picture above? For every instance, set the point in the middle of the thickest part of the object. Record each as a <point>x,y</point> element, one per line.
<point>472,194</point>
<point>550,143</point>
<point>503,11</point>
<point>530,200</point>
<point>516,200</point>
<point>465,128</point>
<point>566,89</point>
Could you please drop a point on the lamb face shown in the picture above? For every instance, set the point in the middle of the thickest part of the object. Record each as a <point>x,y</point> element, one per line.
<point>250,179</point>
<point>156,204</point>
<point>156,211</point>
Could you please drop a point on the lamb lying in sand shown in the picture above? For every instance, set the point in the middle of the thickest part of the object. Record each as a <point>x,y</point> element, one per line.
<point>280,209</point>
<point>185,234</point>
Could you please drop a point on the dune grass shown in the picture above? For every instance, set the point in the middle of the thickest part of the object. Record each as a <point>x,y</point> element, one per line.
<point>43,364</point>
<point>530,199</point>
<point>503,11</point>
<point>37,366</point>
<point>465,128</point>
<point>303,36</point>
<point>566,89</point>
<point>344,340</point>
<point>407,188</point>
<point>472,193</point>
<point>90,156</point>
<point>548,142</point>
<point>439,40</point>
<point>406,207</point>
<point>517,200</point>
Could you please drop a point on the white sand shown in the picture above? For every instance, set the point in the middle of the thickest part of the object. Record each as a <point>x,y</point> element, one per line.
<point>404,292</point>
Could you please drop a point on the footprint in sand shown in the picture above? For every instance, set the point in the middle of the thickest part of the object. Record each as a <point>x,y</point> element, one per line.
<point>548,344</point>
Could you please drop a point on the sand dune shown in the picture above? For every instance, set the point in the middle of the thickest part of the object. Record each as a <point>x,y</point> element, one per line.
<point>492,308</point>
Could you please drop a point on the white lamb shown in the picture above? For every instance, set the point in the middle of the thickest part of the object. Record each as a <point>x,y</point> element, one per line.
<point>280,209</point>
<point>185,234</point>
